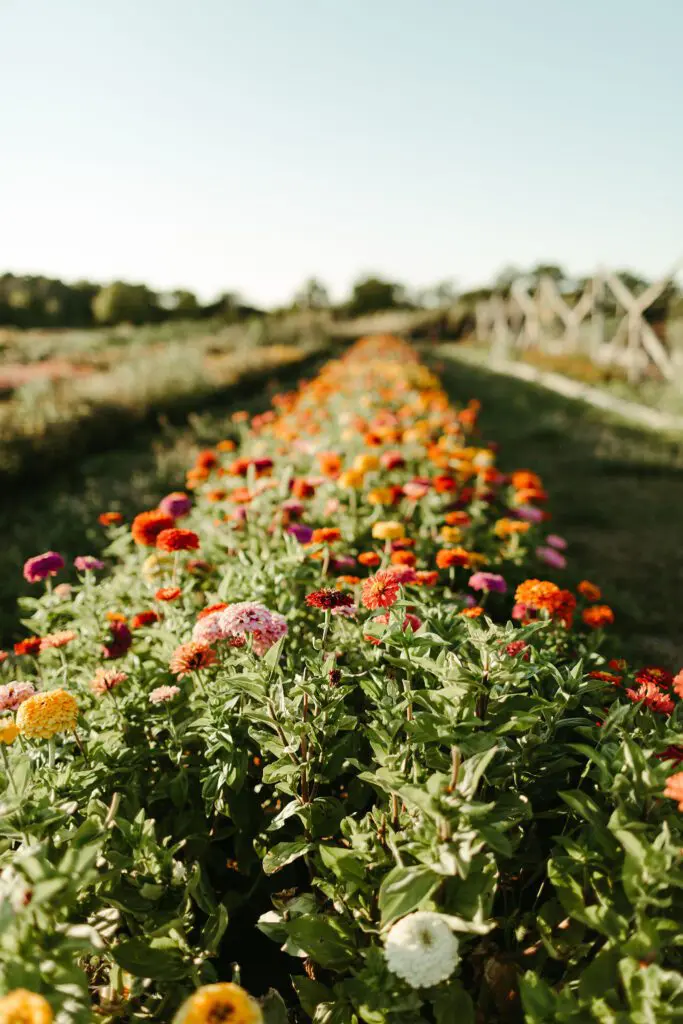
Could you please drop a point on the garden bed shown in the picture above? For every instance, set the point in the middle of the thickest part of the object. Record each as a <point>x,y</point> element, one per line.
<point>326,725</point>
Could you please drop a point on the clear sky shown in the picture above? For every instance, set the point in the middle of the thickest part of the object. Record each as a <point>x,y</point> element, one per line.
<point>247,144</point>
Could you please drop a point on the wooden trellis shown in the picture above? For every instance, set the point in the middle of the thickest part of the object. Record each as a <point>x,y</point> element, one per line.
<point>543,319</point>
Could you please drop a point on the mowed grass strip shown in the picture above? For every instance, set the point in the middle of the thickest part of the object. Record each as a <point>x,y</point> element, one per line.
<point>616,494</point>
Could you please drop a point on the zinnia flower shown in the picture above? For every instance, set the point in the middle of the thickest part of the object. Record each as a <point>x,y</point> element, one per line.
<point>109,518</point>
<point>13,695</point>
<point>551,557</point>
<point>448,558</point>
<point>106,679</point>
<point>59,639</point>
<point>515,647</point>
<point>487,581</point>
<point>8,731</point>
<point>369,558</point>
<point>652,697</point>
<point>678,684</point>
<point>537,594</point>
<point>23,1007</point>
<point>674,789</point>
<point>168,593</point>
<point>41,566</point>
<point>388,530</point>
<point>163,693</point>
<point>325,535</point>
<point>191,657</point>
<point>86,563</point>
<point>223,1001</point>
<point>248,618</point>
<point>327,599</point>
<point>177,540</point>
<point>597,616</point>
<point>589,590</point>
<point>421,949</point>
<point>31,645</point>
<point>176,504</point>
<point>120,641</point>
<point>147,526</point>
<point>380,590</point>
<point>301,532</point>
<point>145,618</point>
<point>45,714</point>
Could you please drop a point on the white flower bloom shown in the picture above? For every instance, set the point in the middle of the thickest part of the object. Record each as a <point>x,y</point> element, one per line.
<point>421,949</point>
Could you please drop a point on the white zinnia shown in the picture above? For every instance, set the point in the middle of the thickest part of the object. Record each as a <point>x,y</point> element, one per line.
<point>421,949</point>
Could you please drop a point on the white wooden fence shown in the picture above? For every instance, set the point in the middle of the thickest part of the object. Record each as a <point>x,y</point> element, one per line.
<point>542,318</point>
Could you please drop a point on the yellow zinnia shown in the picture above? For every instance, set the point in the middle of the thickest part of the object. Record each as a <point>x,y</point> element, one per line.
<point>388,530</point>
<point>8,732</point>
<point>45,714</point>
<point>350,479</point>
<point>381,496</point>
<point>365,463</point>
<point>23,1007</point>
<point>220,1002</point>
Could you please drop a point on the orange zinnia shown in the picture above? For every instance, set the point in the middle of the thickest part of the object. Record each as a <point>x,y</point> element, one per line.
<point>109,518</point>
<point>598,616</point>
<point>539,594</point>
<point>191,657</point>
<point>147,526</point>
<point>674,789</point>
<point>325,535</point>
<point>589,590</point>
<point>369,558</point>
<point>447,558</point>
<point>380,590</point>
<point>176,539</point>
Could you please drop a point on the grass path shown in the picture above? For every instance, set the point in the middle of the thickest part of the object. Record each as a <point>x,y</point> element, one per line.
<point>616,494</point>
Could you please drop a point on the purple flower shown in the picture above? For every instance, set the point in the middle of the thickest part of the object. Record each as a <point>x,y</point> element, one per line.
<point>41,566</point>
<point>551,557</point>
<point>555,541</point>
<point>339,563</point>
<point>302,532</point>
<point>488,581</point>
<point>176,504</point>
<point>86,562</point>
<point>528,512</point>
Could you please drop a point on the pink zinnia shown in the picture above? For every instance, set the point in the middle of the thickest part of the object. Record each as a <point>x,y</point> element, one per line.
<point>176,504</point>
<point>551,557</point>
<point>85,563</point>
<point>248,618</point>
<point>528,512</point>
<point>488,581</point>
<point>41,566</point>
<point>13,695</point>
<point>163,693</point>
<point>555,541</point>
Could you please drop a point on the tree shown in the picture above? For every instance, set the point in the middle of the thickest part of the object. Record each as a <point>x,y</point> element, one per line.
<point>184,303</point>
<point>373,295</point>
<point>313,295</point>
<point>119,302</point>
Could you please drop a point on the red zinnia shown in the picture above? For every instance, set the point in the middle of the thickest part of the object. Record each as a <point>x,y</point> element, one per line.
<point>145,618</point>
<point>31,645</point>
<point>210,609</point>
<point>148,525</point>
<point>175,539</point>
<point>168,593</point>
<point>328,599</point>
<point>381,590</point>
<point>426,577</point>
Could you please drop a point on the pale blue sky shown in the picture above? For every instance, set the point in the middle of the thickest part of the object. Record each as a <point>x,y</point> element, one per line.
<point>247,144</point>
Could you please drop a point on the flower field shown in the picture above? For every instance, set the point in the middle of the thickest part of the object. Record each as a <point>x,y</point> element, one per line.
<point>320,738</point>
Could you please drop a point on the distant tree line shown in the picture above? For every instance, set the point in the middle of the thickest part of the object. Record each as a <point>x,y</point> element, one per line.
<point>35,301</point>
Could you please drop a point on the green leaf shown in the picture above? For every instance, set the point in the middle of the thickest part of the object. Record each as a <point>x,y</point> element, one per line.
<point>345,864</point>
<point>326,940</point>
<point>472,771</point>
<point>284,853</point>
<point>214,929</point>
<point>145,961</point>
<point>538,999</point>
<point>403,889</point>
<point>453,1004</point>
<point>273,1008</point>
<point>310,993</point>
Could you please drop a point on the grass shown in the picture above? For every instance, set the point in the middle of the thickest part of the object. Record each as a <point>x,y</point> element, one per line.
<point>616,494</point>
<point>60,513</point>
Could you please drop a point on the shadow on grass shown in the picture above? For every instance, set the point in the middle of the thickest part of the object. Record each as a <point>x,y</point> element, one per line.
<point>616,494</point>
